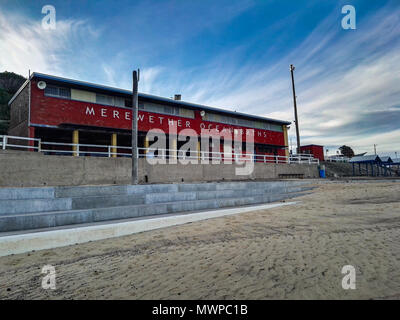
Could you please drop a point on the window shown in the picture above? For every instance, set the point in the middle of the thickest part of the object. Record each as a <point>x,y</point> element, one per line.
<point>186,113</point>
<point>87,96</point>
<point>128,103</point>
<point>262,125</point>
<point>276,127</point>
<point>54,91</point>
<point>111,100</point>
<point>242,122</point>
<point>119,102</point>
<point>265,149</point>
<point>103,99</point>
<point>51,91</point>
<point>170,110</point>
<point>65,92</point>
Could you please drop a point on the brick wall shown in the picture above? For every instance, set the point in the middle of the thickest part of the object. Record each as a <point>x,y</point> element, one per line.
<point>317,151</point>
<point>19,114</point>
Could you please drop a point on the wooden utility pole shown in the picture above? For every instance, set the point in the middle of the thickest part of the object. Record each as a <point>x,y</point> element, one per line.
<point>295,110</point>
<point>135,158</point>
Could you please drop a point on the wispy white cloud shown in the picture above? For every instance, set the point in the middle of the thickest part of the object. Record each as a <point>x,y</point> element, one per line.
<point>25,45</point>
<point>148,78</point>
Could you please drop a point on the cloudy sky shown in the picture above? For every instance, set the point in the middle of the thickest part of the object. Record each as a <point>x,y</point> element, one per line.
<point>229,54</point>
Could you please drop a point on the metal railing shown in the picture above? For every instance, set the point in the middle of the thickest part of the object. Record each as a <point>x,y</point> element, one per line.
<point>80,149</point>
<point>5,142</point>
<point>108,149</point>
<point>223,156</point>
<point>337,159</point>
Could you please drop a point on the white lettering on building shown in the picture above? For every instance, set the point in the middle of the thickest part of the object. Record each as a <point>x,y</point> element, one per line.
<point>179,122</point>
<point>90,111</point>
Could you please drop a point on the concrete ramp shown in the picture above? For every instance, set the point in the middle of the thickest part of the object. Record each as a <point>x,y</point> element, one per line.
<point>29,209</point>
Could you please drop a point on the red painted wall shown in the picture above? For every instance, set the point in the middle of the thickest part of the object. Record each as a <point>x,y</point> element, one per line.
<point>317,151</point>
<point>56,111</point>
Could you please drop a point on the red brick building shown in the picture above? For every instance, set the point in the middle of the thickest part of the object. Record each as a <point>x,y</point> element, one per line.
<point>316,150</point>
<point>70,111</point>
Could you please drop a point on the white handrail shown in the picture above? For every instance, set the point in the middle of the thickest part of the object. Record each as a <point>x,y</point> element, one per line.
<point>149,152</point>
<point>21,138</point>
<point>5,142</point>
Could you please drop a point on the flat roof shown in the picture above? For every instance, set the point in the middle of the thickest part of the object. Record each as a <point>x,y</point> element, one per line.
<point>104,88</point>
<point>311,145</point>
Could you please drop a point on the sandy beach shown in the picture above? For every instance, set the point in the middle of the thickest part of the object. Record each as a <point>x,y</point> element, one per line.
<point>291,252</point>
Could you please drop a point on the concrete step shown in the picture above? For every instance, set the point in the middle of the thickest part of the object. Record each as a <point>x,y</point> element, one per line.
<point>33,205</point>
<point>35,208</point>
<point>105,201</point>
<point>26,193</point>
<point>81,191</point>
<point>85,191</point>
<point>169,197</point>
<point>88,191</point>
<point>238,193</point>
<point>240,185</point>
<point>38,220</point>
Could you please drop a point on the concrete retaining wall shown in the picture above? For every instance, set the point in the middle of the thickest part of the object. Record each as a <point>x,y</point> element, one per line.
<point>29,169</point>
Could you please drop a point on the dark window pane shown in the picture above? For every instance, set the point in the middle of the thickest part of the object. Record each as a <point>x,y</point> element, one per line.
<point>51,90</point>
<point>128,103</point>
<point>65,93</point>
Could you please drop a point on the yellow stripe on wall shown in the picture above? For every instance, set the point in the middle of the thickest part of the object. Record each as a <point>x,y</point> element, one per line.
<point>285,135</point>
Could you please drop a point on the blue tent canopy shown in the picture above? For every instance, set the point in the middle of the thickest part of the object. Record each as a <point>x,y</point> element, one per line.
<point>366,159</point>
<point>396,161</point>
<point>373,165</point>
<point>386,160</point>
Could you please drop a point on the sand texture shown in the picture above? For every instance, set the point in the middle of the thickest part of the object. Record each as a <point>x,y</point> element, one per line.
<point>291,252</point>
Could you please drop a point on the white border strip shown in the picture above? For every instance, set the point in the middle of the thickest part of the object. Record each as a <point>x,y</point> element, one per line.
<point>21,243</point>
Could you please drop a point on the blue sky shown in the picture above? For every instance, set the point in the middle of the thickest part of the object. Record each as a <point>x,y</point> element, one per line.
<point>229,54</point>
